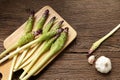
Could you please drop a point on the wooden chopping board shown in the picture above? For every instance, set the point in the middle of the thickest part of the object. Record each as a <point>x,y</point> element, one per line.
<point>5,68</point>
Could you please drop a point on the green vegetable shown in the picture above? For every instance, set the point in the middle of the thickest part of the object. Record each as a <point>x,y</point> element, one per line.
<point>23,40</point>
<point>12,67</point>
<point>27,29</point>
<point>39,25</point>
<point>27,37</point>
<point>56,47</point>
<point>30,22</point>
<point>18,63</point>
<point>30,53</point>
<point>57,26</point>
<point>45,48</point>
<point>42,38</point>
<point>46,28</point>
<point>49,25</point>
<point>97,43</point>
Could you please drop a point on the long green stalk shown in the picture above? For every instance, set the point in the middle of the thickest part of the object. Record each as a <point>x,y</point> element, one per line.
<point>57,26</point>
<point>24,61</point>
<point>45,48</point>
<point>42,38</point>
<point>18,63</point>
<point>56,47</point>
<point>99,42</point>
<point>39,25</point>
<point>27,37</point>
<point>30,53</point>
<point>45,29</point>
<point>30,22</point>
<point>12,67</point>
<point>27,29</point>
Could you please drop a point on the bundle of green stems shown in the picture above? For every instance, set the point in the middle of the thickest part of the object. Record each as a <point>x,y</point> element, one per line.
<point>51,36</point>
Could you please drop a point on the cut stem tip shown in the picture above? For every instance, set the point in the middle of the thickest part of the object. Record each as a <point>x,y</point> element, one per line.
<point>46,12</point>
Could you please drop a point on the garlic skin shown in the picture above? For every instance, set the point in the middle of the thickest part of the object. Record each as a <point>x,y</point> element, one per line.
<point>91,59</point>
<point>103,64</point>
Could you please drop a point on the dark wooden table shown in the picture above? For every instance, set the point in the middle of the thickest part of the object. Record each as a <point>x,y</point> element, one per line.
<point>92,19</point>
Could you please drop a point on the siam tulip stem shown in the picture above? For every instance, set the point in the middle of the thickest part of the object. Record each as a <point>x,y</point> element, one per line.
<point>38,40</point>
<point>56,47</point>
<point>12,67</point>
<point>30,22</point>
<point>57,26</point>
<point>39,25</point>
<point>22,41</point>
<point>20,59</point>
<point>46,46</point>
<point>49,25</point>
<point>25,38</point>
<point>31,53</point>
<point>46,29</point>
<point>98,43</point>
<point>28,29</point>
<point>26,60</point>
<point>25,64</point>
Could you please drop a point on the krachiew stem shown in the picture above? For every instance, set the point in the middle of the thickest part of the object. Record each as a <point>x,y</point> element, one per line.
<point>27,37</point>
<point>97,43</point>
<point>56,47</point>
<point>12,66</point>
<point>20,59</point>
<point>44,48</point>
<point>39,40</point>
<point>39,25</point>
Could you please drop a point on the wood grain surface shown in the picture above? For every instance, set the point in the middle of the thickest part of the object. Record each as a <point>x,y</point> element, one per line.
<point>92,19</point>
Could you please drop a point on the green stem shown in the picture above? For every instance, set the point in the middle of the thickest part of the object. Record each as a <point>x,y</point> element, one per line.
<point>39,25</point>
<point>57,26</point>
<point>99,42</point>
<point>46,47</point>
<point>49,25</point>
<point>36,29</point>
<point>12,67</point>
<point>20,59</point>
<point>56,47</point>
<point>22,41</point>
<point>30,22</point>
<point>39,40</point>
<point>27,37</point>
<point>30,53</point>
<point>46,28</point>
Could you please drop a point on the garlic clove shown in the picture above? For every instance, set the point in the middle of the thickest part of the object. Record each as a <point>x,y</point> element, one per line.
<point>103,64</point>
<point>91,59</point>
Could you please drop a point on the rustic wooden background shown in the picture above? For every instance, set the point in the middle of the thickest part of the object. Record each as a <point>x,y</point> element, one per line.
<point>92,19</point>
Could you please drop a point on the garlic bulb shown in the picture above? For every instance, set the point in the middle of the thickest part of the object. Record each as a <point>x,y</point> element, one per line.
<point>91,59</point>
<point>103,64</point>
